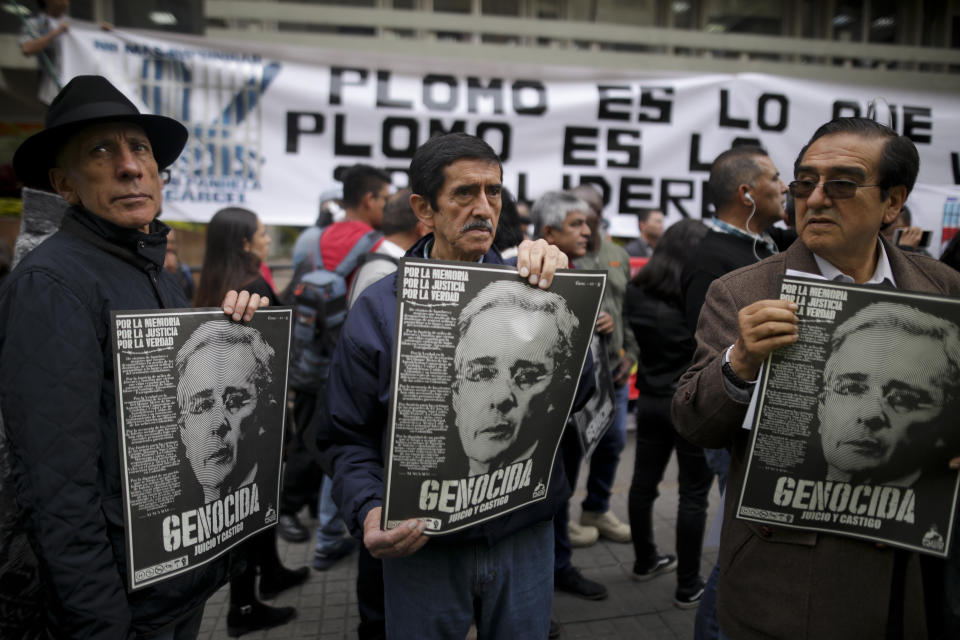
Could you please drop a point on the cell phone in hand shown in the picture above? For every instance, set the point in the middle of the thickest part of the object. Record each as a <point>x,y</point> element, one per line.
<point>924,237</point>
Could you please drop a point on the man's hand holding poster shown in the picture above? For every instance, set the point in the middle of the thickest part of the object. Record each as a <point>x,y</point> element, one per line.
<point>485,372</point>
<point>202,404</point>
<point>856,422</point>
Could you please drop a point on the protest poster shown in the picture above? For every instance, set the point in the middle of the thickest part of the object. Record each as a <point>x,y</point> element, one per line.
<point>595,418</point>
<point>485,371</point>
<point>856,421</point>
<point>202,403</point>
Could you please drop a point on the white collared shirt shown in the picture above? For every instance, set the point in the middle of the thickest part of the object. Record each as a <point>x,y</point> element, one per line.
<point>830,272</point>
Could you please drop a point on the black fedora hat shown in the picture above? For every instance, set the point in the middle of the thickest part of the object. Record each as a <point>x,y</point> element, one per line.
<point>88,100</point>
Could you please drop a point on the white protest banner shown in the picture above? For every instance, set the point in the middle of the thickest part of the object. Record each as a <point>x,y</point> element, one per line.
<point>270,125</point>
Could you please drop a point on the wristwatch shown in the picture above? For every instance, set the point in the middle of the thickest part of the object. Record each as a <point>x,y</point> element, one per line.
<point>731,375</point>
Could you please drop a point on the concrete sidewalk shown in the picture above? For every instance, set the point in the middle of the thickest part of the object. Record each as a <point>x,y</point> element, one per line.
<point>327,602</point>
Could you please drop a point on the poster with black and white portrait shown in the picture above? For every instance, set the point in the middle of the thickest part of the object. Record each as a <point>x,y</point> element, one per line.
<point>857,420</point>
<point>201,407</point>
<point>485,371</point>
<point>593,421</point>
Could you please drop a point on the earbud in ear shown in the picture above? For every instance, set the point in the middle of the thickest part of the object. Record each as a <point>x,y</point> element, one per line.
<point>750,198</point>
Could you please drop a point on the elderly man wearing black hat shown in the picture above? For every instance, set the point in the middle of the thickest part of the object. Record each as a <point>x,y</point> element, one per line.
<point>56,367</point>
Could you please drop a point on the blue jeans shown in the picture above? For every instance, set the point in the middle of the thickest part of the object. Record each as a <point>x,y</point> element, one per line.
<point>606,457</point>
<point>506,589</point>
<point>706,626</point>
<point>330,526</point>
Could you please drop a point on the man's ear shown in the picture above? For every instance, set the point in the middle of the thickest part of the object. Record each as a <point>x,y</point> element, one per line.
<point>896,196</point>
<point>63,185</point>
<point>422,209</point>
<point>547,233</point>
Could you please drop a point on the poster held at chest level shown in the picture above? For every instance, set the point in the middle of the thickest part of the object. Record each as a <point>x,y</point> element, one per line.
<point>597,417</point>
<point>485,370</point>
<point>202,403</point>
<point>856,421</point>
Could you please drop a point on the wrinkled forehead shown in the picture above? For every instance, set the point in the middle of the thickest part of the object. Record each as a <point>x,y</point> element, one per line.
<point>506,332</point>
<point>887,354</point>
<point>217,364</point>
<point>103,131</point>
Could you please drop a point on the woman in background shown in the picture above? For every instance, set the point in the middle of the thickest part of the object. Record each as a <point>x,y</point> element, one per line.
<point>237,244</point>
<point>655,309</point>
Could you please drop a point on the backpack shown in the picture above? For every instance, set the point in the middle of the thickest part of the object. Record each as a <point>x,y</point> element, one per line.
<point>319,309</point>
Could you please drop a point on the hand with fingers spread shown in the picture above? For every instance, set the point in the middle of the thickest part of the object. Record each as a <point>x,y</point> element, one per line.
<point>398,542</point>
<point>242,305</point>
<point>538,261</point>
<point>764,326</point>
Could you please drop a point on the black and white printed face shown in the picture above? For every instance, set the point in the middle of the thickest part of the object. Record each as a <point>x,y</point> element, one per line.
<point>881,401</point>
<point>217,395</point>
<point>503,369</point>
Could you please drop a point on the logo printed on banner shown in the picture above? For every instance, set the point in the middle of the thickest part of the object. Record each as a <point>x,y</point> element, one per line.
<point>218,103</point>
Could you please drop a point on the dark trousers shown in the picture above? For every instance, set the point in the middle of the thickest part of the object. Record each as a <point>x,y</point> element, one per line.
<point>370,597</point>
<point>302,474</point>
<point>259,551</point>
<point>656,439</point>
<point>571,454</point>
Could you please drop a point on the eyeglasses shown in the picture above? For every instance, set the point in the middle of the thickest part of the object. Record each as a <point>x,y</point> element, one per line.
<point>833,189</point>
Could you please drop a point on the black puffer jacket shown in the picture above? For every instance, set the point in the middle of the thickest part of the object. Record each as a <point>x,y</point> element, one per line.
<point>57,395</point>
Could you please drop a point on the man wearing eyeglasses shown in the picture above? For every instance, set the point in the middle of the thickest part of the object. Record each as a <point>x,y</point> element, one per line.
<point>851,177</point>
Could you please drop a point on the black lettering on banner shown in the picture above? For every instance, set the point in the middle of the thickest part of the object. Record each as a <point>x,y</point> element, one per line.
<point>343,148</point>
<point>294,120</point>
<point>337,82</point>
<point>394,125</point>
<point>663,108</point>
<point>437,127</point>
<point>521,193</point>
<point>431,100</point>
<point>912,123</point>
<point>696,164</point>
<point>762,112</point>
<point>955,162</point>
<point>521,87</point>
<point>608,100</point>
<point>706,207</point>
<point>596,180</point>
<point>571,145</point>
<point>633,190</point>
<point>615,145</point>
<point>504,129</point>
<point>476,91</point>
<point>383,93</point>
<point>667,195</point>
<point>726,120</point>
<point>846,109</point>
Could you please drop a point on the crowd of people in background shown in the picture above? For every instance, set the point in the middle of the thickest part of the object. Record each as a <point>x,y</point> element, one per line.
<point>693,325</point>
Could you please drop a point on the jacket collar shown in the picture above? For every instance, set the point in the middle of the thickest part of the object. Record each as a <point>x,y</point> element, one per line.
<point>132,245</point>
<point>417,251</point>
<point>907,276</point>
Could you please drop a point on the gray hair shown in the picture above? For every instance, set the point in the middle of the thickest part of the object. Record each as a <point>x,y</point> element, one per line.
<point>552,208</point>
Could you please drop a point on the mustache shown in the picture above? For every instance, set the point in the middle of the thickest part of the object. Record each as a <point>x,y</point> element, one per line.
<point>477,224</point>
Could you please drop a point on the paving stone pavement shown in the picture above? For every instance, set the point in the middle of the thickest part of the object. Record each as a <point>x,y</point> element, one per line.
<point>327,602</point>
